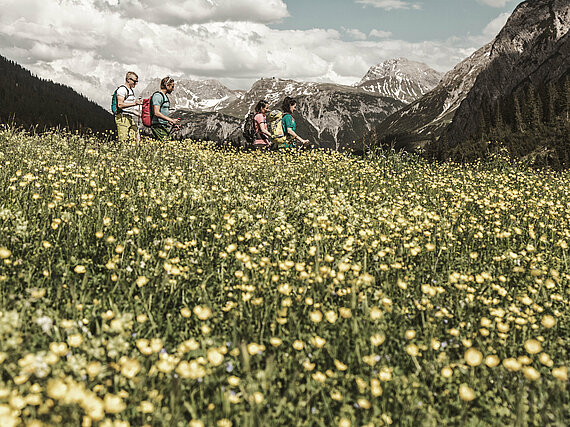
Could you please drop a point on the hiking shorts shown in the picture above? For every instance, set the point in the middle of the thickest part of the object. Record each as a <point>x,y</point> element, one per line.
<point>160,132</point>
<point>127,130</point>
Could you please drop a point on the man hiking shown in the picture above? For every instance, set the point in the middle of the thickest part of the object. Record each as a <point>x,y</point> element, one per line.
<point>127,110</point>
<point>161,125</point>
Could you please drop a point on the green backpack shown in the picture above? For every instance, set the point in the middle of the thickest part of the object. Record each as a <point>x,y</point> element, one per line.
<point>114,107</point>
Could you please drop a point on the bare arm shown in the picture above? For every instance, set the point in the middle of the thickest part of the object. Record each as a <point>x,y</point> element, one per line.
<point>291,132</point>
<point>263,127</point>
<point>157,113</point>
<point>122,104</point>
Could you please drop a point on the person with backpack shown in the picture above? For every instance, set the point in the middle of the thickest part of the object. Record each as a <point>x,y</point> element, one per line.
<point>125,107</point>
<point>289,126</point>
<point>161,124</point>
<point>262,134</point>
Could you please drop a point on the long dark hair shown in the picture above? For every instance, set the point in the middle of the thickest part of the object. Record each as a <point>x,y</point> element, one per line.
<point>260,105</point>
<point>287,103</point>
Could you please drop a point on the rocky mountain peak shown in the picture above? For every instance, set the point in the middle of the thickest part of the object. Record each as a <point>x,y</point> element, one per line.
<point>401,79</point>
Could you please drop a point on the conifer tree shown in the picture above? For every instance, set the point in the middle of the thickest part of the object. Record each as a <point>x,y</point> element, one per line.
<point>566,96</point>
<point>519,125</point>
<point>532,109</point>
<point>550,108</point>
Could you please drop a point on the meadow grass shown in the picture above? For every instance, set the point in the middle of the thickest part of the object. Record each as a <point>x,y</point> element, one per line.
<point>179,284</point>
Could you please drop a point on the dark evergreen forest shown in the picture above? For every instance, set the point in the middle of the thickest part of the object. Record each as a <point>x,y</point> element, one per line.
<point>533,124</point>
<point>37,104</point>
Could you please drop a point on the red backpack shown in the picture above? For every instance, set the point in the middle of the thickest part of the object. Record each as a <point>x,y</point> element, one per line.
<point>146,113</point>
<point>147,109</point>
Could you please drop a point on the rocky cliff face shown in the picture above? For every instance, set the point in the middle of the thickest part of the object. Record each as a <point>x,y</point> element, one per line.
<point>435,110</point>
<point>209,126</point>
<point>533,47</point>
<point>400,79</point>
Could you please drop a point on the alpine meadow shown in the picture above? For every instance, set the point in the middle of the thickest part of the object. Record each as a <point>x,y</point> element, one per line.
<point>174,284</point>
<point>346,213</point>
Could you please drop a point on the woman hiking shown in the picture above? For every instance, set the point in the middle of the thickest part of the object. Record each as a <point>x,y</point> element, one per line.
<point>289,126</point>
<point>263,136</point>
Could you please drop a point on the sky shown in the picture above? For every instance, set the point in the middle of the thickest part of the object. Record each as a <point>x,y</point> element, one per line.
<point>91,44</point>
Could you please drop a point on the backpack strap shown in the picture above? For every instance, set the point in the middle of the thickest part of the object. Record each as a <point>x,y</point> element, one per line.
<point>164,99</point>
<point>117,90</point>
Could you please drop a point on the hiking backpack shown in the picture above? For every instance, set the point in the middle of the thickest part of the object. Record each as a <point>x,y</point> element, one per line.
<point>275,126</point>
<point>146,113</point>
<point>249,132</point>
<point>147,110</point>
<point>114,105</point>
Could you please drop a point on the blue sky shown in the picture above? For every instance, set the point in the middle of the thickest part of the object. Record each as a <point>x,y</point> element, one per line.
<point>433,20</point>
<point>90,44</point>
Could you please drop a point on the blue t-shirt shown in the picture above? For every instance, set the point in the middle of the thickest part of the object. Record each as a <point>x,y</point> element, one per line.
<point>160,99</point>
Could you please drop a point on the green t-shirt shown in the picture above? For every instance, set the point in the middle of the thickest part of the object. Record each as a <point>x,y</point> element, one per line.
<point>288,122</point>
<point>160,99</point>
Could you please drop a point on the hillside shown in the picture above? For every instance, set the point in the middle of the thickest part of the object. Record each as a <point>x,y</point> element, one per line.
<point>512,91</point>
<point>533,48</point>
<point>34,103</point>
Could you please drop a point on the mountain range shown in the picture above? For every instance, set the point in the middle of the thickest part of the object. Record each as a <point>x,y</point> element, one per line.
<point>330,115</point>
<point>533,48</point>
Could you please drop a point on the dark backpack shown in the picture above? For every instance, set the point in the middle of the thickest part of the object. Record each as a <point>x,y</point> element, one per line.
<point>249,131</point>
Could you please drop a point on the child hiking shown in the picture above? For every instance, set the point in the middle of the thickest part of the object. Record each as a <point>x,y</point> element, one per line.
<point>161,124</point>
<point>289,126</point>
<point>125,108</point>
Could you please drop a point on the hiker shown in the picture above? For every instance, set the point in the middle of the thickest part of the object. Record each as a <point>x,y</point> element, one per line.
<point>263,136</point>
<point>289,126</point>
<point>160,107</point>
<point>127,109</point>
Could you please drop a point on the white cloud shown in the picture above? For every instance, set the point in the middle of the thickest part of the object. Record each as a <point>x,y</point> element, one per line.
<point>494,3</point>
<point>89,45</point>
<point>493,27</point>
<point>379,34</point>
<point>389,4</point>
<point>199,11</point>
<point>354,33</point>
<point>491,30</point>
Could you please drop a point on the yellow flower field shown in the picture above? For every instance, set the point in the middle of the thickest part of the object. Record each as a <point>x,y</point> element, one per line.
<point>184,284</point>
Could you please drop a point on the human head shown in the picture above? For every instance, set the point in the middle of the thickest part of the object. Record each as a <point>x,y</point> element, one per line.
<point>132,78</point>
<point>261,105</point>
<point>288,102</point>
<point>167,83</point>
